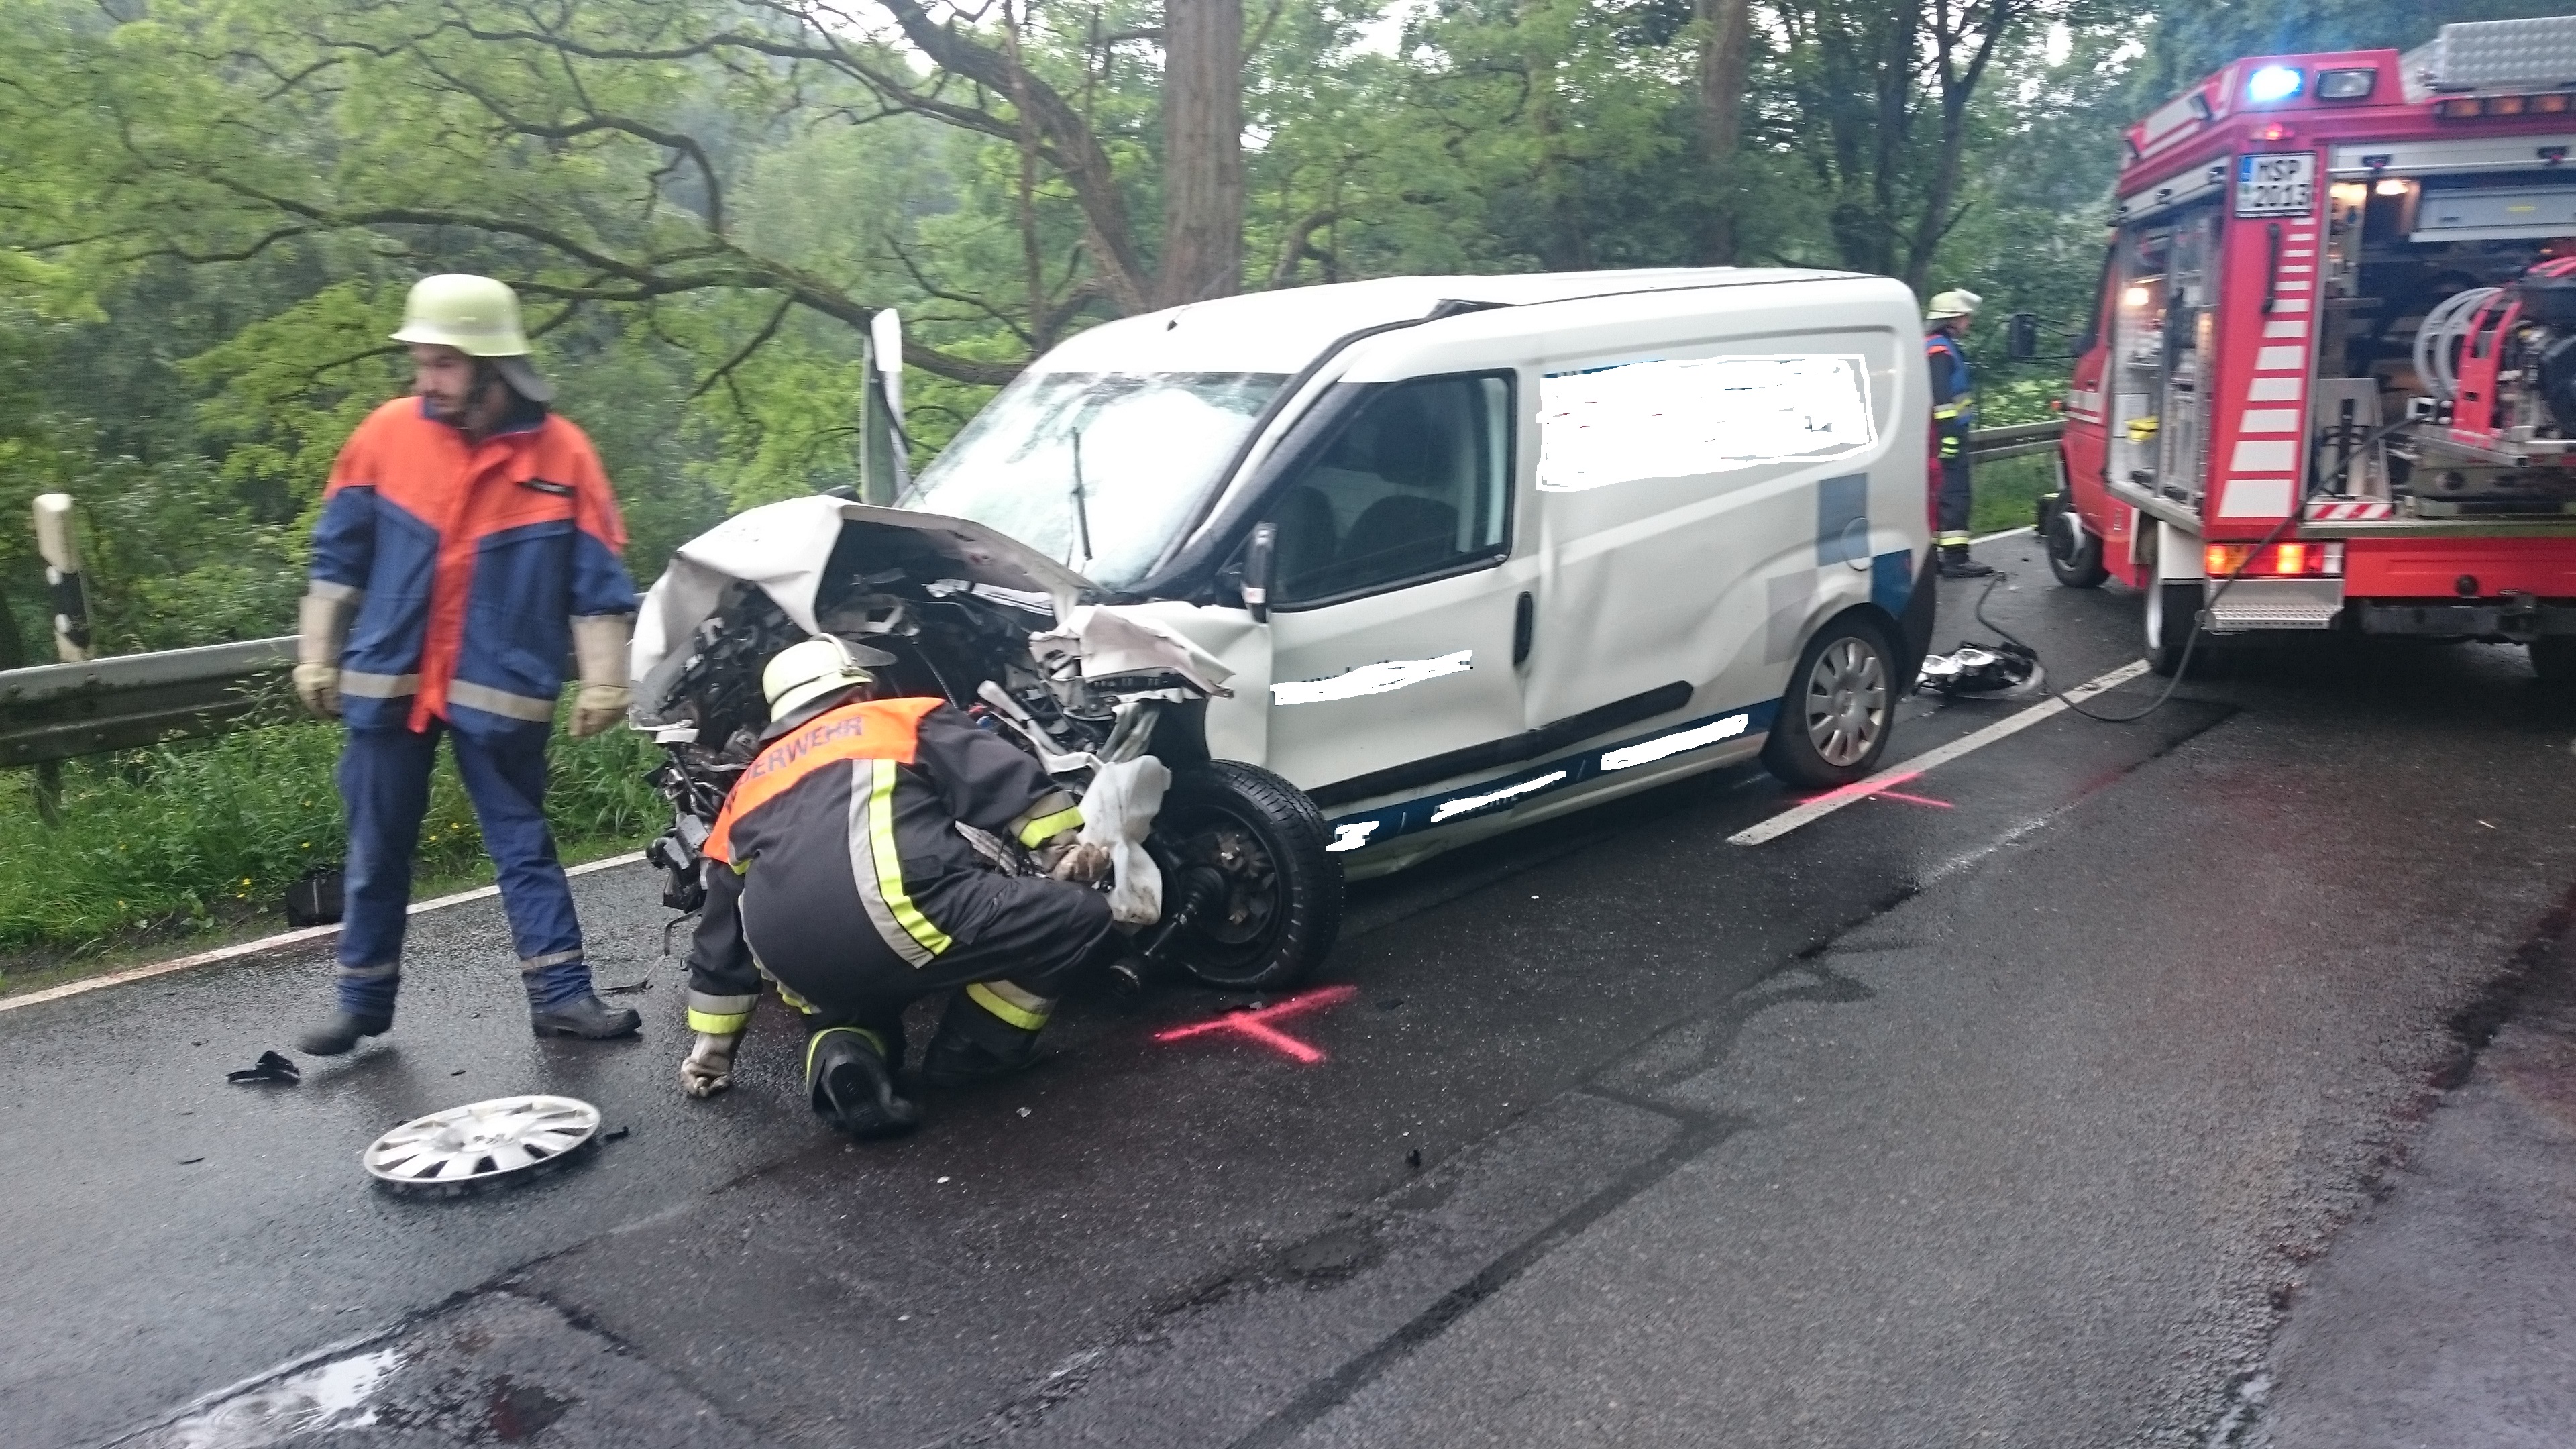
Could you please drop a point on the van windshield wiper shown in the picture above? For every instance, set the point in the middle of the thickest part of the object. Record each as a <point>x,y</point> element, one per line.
<point>1081,510</point>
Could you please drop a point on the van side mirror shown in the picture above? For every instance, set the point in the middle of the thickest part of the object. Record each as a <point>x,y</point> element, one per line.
<point>2021,341</point>
<point>1259,558</point>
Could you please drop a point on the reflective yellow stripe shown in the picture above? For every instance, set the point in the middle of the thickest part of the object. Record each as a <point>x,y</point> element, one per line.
<point>1045,826</point>
<point>816,1040</point>
<point>718,1024</point>
<point>890,866</point>
<point>993,1001</point>
<point>1945,414</point>
<point>1954,540</point>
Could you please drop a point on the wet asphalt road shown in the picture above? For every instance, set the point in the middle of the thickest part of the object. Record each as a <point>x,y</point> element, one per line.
<point>2015,1113</point>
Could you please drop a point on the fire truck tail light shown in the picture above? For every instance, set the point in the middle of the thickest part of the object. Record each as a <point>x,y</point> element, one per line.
<point>2346,85</point>
<point>2508,105</point>
<point>2274,83</point>
<point>2552,104</point>
<point>2459,107</point>
<point>2280,561</point>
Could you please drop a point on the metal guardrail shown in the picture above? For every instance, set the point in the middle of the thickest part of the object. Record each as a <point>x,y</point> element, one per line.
<point>127,701</point>
<point>1989,445</point>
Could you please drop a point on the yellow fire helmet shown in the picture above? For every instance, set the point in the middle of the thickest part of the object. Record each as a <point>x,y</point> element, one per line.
<point>478,317</point>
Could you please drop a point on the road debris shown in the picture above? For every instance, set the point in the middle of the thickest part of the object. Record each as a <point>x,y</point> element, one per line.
<point>271,1067</point>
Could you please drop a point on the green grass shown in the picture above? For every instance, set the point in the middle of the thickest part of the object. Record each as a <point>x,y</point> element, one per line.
<point>201,839</point>
<point>2008,492</point>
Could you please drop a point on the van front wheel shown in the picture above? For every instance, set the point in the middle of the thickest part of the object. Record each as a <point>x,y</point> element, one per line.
<point>1277,899</point>
<point>1833,724</point>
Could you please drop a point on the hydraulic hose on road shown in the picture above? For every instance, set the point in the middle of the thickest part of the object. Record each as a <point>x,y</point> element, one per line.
<point>2200,622</point>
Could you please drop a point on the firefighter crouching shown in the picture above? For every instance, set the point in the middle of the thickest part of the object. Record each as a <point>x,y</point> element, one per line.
<point>1954,412</point>
<point>468,539</point>
<point>838,869</point>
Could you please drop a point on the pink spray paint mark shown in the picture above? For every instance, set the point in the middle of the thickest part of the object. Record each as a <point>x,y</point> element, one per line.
<point>1256,1026</point>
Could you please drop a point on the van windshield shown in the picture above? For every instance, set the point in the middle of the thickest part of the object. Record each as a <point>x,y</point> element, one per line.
<point>1151,446</point>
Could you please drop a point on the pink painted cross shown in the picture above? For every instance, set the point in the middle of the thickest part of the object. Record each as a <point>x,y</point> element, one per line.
<point>1256,1024</point>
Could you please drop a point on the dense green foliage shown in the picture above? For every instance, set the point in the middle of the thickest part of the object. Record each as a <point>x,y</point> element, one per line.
<point>201,834</point>
<point>212,208</point>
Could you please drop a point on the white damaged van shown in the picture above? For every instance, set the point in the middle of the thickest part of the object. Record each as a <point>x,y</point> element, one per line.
<point>1447,555</point>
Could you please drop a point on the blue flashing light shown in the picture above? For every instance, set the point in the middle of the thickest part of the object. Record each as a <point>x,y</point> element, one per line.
<point>2273,83</point>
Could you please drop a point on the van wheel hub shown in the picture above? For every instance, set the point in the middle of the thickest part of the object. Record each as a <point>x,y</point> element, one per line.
<point>1846,701</point>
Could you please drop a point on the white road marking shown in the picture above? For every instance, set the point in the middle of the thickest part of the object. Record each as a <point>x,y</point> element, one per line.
<point>272,943</point>
<point>1810,811</point>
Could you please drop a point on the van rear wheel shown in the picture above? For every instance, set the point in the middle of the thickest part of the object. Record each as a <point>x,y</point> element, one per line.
<point>1833,724</point>
<point>1280,905</point>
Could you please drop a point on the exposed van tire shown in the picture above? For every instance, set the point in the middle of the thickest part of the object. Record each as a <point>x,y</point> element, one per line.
<point>1282,905</point>
<point>1839,709</point>
<point>2077,564</point>
<point>2173,615</point>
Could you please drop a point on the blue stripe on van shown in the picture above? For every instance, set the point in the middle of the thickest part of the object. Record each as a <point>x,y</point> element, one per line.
<point>1891,582</point>
<point>1842,519</point>
<point>1492,797</point>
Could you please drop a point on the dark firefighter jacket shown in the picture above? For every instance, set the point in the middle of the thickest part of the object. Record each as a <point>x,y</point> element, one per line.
<point>1954,395</point>
<point>852,817</point>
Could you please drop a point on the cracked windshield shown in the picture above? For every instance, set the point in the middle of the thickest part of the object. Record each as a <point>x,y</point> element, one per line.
<point>1099,470</point>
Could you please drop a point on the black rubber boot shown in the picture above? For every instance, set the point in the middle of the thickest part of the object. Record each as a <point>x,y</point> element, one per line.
<point>341,1032</point>
<point>852,1088</point>
<point>584,1016</point>
<point>973,1045</point>
<point>1956,564</point>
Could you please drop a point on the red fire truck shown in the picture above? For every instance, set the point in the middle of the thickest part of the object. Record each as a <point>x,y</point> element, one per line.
<point>2331,381</point>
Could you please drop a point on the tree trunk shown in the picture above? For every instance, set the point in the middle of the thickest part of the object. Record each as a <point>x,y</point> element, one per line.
<point>1726,30</point>
<point>1202,151</point>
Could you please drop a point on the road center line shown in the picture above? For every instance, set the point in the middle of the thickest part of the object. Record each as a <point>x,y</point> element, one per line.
<point>271,943</point>
<point>1832,800</point>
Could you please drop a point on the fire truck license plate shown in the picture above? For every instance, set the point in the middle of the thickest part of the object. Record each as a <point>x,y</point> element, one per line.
<point>2282,185</point>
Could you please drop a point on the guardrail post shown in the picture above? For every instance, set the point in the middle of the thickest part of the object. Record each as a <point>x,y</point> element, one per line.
<point>61,552</point>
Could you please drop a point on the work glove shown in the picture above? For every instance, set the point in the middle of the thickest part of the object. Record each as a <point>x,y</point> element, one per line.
<point>600,644</point>
<point>709,1066</point>
<point>322,627</point>
<point>1067,857</point>
<point>317,686</point>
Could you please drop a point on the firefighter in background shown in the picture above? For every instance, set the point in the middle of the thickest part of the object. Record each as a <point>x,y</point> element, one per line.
<point>468,541</point>
<point>857,864</point>
<point>1954,412</point>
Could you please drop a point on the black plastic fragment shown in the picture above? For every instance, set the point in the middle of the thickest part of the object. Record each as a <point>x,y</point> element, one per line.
<point>271,1067</point>
<point>617,1135</point>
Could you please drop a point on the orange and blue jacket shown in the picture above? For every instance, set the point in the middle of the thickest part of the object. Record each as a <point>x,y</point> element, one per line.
<point>467,563</point>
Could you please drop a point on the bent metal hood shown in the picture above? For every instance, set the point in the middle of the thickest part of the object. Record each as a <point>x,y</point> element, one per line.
<point>784,547</point>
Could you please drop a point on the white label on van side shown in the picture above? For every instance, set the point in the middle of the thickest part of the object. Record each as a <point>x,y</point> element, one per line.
<point>1384,678</point>
<point>1680,742</point>
<point>1685,417</point>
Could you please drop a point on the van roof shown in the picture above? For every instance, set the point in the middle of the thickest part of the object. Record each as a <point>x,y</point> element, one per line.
<point>1283,331</point>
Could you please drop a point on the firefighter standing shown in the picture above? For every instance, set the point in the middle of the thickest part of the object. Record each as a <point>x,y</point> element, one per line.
<point>844,867</point>
<point>468,538</point>
<point>1954,412</point>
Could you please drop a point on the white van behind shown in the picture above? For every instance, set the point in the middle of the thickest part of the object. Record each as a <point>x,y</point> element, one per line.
<point>1374,569</point>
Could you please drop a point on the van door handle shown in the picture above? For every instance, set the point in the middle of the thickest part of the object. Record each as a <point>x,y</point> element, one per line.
<point>1524,625</point>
